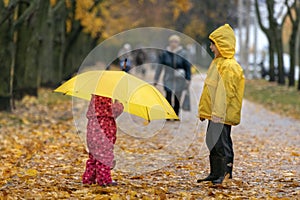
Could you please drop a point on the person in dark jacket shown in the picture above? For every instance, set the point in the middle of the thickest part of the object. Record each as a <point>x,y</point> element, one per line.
<point>177,72</point>
<point>125,58</point>
<point>140,59</point>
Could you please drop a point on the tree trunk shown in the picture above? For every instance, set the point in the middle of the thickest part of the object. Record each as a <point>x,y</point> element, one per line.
<point>31,47</point>
<point>298,70</point>
<point>76,54</point>
<point>52,45</point>
<point>295,20</point>
<point>25,79</point>
<point>276,33</point>
<point>247,38</point>
<point>270,37</point>
<point>60,50</point>
<point>240,35</point>
<point>46,62</point>
<point>292,48</point>
<point>279,50</point>
<point>299,60</point>
<point>271,60</point>
<point>6,40</point>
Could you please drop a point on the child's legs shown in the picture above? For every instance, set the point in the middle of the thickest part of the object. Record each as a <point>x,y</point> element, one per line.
<point>101,139</point>
<point>103,175</point>
<point>89,176</point>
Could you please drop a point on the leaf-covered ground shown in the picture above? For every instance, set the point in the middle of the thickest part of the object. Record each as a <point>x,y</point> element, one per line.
<point>42,157</point>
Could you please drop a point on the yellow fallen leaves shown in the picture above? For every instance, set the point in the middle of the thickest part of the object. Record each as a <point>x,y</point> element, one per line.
<point>31,172</point>
<point>43,158</point>
<point>295,153</point>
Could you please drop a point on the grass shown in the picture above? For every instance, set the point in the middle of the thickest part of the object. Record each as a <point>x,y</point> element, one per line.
<point>280,99</point>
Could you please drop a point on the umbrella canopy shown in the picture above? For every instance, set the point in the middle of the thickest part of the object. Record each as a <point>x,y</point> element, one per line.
<point>138,97</point>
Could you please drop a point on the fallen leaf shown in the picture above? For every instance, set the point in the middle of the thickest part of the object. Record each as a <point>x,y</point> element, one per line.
<point>31,172</point>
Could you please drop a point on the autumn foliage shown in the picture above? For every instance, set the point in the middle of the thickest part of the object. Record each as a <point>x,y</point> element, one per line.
<point>42,155</point>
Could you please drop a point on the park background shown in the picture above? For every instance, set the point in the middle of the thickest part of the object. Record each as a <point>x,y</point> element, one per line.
<point>43,43</point>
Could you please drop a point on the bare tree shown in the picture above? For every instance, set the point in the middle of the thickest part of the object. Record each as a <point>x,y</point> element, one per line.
<point>6,54</point>
<point>299,71</point>
<point>244,21</point>
<point>298,44</point>
<point>295,20</point>
<point>271,39</point>
<point>276,29</point>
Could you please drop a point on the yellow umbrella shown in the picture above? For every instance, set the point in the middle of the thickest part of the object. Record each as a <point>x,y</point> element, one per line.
<point>138,97</point>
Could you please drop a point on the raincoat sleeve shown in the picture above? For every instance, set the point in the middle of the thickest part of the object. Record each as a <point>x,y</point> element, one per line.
<point>117,109</point>
<point>224,92</point>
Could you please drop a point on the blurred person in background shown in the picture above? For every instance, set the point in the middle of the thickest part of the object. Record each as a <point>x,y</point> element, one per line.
<point>125,57</point>
<point>140,58</point>
<point>177,71</point>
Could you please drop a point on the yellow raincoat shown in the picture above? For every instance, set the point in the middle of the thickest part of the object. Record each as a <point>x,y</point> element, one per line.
<point>224,85</point>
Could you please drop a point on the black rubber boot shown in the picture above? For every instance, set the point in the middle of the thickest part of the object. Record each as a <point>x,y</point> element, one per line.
<point>229,166</point>
<point>220,171</point>
<point>212,175</point>
<point>224,167</point>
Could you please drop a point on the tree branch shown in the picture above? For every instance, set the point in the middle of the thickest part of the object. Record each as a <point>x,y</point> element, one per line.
<point>28,12</point>
<point>77,26</point>
<point>289,10</point>
<point>10,10</point>
<point>58,6</point>
<point>263,28</point>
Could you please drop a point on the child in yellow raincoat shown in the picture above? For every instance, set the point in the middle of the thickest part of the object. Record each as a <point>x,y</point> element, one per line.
<point>221,103</point>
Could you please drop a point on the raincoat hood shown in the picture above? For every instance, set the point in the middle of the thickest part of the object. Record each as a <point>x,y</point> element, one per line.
<point>224,84</point>
<point>224,39</point>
